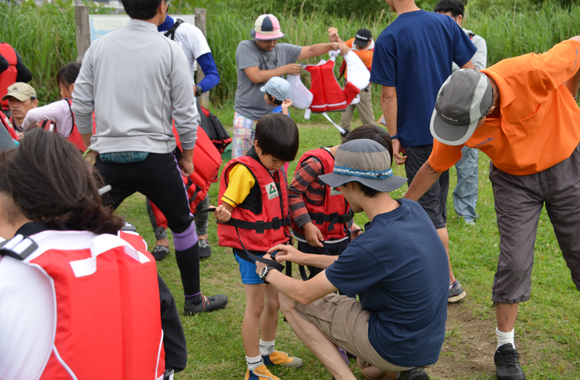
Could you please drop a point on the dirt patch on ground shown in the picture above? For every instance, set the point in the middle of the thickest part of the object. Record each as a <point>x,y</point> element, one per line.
<point>469,345</point>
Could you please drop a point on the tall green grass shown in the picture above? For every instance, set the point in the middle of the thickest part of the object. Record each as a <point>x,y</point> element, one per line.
<point>45,36</point>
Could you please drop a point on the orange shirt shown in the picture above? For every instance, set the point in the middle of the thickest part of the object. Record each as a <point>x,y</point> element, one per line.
<point>539,123</point>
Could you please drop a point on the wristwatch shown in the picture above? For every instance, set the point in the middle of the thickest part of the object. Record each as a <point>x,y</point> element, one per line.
<point>198,90</point>
<point>264,272</point>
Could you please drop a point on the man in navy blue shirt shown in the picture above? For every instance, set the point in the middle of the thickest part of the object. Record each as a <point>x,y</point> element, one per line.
<point>398,268</point>
<point>412,58</point>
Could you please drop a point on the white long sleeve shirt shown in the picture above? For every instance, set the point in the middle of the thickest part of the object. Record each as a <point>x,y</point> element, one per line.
<point>57,112</point>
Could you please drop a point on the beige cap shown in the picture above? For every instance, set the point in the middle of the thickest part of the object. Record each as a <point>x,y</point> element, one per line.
<point>20,91</point>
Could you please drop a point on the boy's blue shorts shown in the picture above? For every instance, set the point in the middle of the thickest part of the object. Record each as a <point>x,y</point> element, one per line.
<point>248,270</point>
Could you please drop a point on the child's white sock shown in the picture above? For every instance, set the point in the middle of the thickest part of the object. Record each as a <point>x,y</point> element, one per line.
<point>266,348</point>
<point>254,362</point>
<point>504,337</point>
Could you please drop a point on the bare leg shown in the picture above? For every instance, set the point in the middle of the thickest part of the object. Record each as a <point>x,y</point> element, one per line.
<point>444,236</point>
<point>317,343</point>
<point>505,315</point>
<point>269,318</point>
<point>251,322</point>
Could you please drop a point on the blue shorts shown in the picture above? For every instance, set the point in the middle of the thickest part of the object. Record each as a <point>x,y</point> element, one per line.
<point>248,270</point>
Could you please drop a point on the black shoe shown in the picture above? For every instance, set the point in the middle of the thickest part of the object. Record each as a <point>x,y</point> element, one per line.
<point>417,373</point>
<point>207,304</point>
<point>507,363</point>
<point>160,252</point>
<point>204,249</point>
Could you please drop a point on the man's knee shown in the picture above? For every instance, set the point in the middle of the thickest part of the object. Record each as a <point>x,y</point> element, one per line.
<point>286,304</point>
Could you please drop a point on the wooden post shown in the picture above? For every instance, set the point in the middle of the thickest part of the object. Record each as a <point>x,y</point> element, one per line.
<point>200,14</point>
<point>83,31</point>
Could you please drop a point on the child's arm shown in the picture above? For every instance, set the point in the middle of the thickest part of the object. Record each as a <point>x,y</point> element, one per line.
<point>285,105</point>
<point>305,174</point>
<point>59,112</point>
<point>223,213</point>
<point>239,185</point>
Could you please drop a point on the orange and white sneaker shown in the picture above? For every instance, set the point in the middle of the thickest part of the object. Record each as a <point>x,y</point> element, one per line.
<point>260,373</point>
<point>282,359</point>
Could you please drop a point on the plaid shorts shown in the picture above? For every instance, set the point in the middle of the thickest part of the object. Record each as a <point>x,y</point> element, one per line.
<point>244,133</point>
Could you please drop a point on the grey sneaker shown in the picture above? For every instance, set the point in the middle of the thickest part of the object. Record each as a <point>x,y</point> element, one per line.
<point>507,363</point>
<point>204,249</point>
<point>417,373</point>
<point>456,293</point>
<point>207,304</point>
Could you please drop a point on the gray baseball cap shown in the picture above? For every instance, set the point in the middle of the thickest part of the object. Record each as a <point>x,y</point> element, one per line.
<point>465,97</point>
<point>365,161</point>
<point>278,87</point>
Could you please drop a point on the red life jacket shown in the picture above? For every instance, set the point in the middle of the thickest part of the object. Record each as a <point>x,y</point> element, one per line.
<point>47,125</point>
<point>75,136</point>
<point>106,294</point>
<point>331,215</point>
<point>7,77</point>
<point>206,162</point>
<point>8,125</point>
<point>262,218</point>
<point>327,94</point>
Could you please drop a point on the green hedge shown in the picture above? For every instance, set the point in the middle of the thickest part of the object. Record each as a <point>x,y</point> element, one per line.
<point>45,36</point>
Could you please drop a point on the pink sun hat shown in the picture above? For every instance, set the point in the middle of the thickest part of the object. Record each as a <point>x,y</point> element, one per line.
<point>267,28</point>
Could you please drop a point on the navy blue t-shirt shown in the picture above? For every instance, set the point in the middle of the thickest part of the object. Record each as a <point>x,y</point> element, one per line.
<point>414,54</point>
<point>399,270</point>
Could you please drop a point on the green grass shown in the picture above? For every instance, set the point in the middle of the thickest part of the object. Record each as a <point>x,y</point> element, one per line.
<point>548,327</point>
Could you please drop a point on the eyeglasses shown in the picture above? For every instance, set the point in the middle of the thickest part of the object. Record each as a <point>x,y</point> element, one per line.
<point>168,3</point>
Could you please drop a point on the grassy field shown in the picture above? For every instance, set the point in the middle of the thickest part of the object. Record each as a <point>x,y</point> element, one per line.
<point>547,332</point>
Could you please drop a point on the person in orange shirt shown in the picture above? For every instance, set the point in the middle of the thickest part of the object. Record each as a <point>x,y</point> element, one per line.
<point>363,46</point>
<point>522,113</point>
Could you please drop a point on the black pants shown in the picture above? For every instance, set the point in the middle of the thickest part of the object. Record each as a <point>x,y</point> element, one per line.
<point>434,201</point>
<point>159,178</point>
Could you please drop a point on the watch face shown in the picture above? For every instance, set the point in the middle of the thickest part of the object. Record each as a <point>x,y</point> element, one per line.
<point>263,272</point>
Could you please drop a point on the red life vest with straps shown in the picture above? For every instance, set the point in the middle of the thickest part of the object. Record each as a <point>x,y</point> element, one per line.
<point>331,215</point>
<point>107,321</point>
<point>206,163</point>
<point>327,94</point>
<point>75,136</point>
<point>7,77</point>
<point>7,123</point>
<point>262,218</point>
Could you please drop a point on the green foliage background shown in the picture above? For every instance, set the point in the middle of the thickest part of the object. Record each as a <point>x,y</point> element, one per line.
<point>45,36</point>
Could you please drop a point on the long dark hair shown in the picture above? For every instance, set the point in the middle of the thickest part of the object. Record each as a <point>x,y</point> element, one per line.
<point>50,182</point>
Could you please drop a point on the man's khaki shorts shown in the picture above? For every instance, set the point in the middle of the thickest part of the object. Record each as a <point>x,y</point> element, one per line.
<point>344,322</point>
